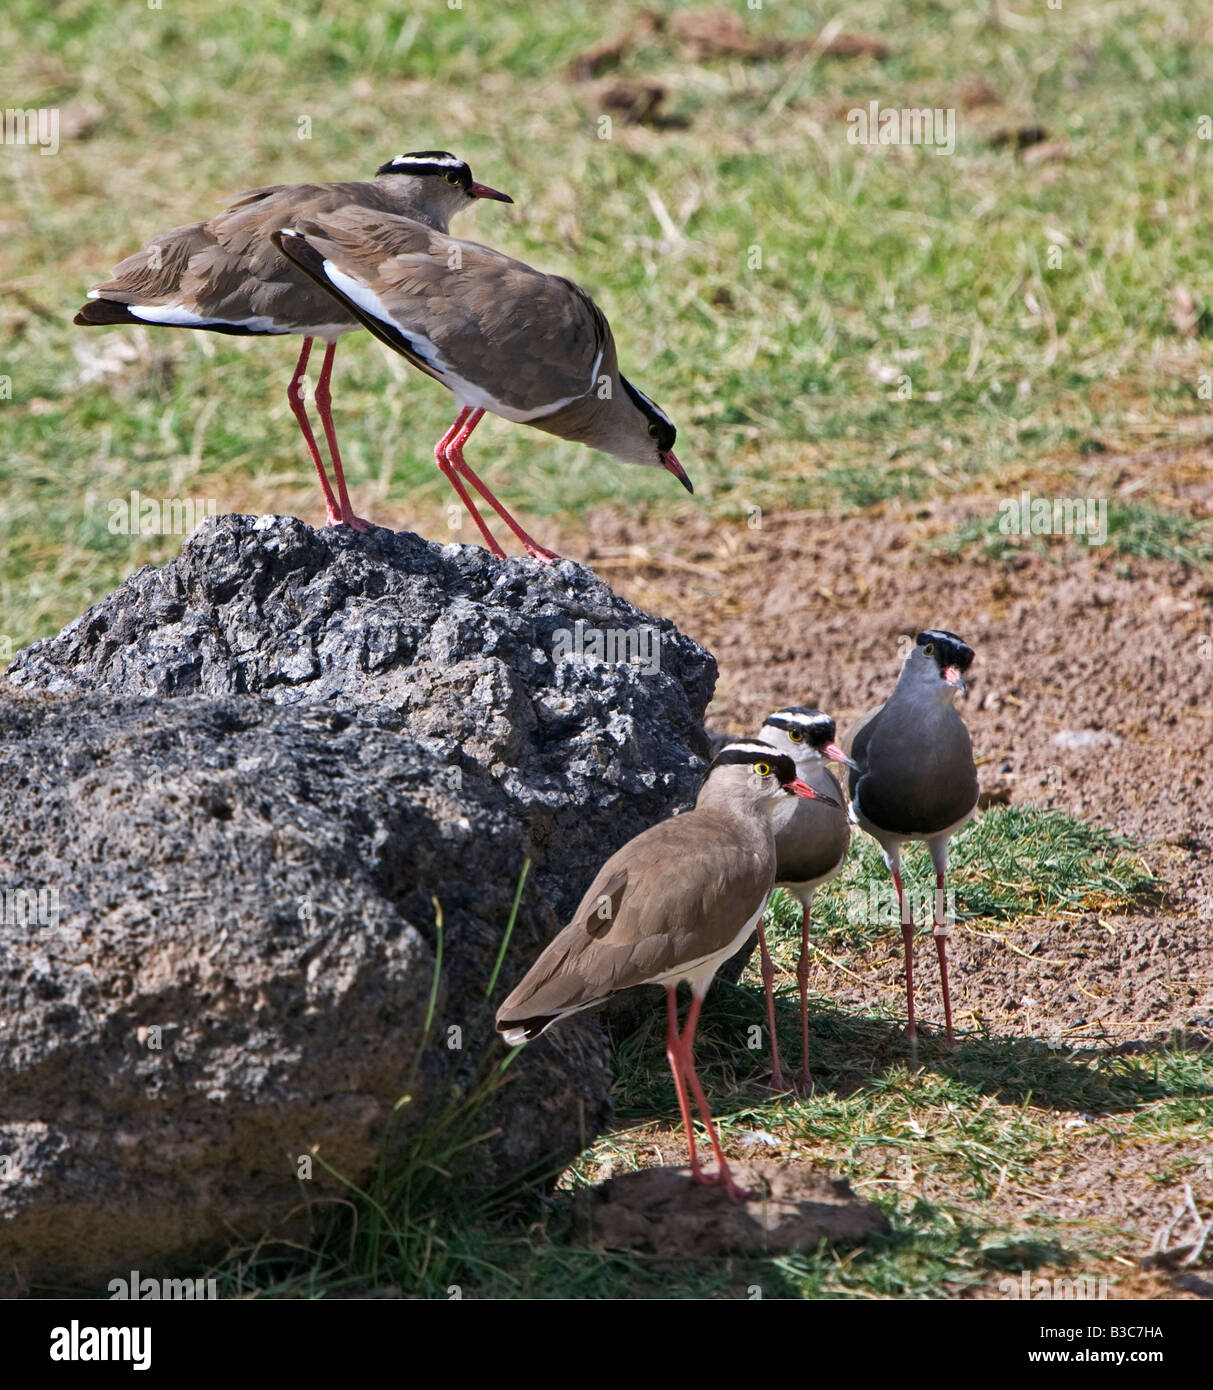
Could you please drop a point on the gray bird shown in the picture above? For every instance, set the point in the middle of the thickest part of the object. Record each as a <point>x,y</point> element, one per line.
<point>811,842</point>
<point>914,778</point>
<point>227,276</point>
<point>499,335</point>
<point>672,905</point>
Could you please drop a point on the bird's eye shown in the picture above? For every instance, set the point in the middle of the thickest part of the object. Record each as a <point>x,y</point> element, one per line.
<point>929,649</point>
<point>653,428</point>
<point>452,178</point>
<point>763,769</point>
<point>795,737</point>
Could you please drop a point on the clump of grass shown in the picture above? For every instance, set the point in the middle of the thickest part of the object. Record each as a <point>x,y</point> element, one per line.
<point>1024,859</point>
<point>1146,533</point>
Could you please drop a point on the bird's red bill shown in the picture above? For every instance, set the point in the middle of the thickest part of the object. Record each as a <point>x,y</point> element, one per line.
<point>482,190</point>
<point>669,462</point>
<point>799,788</point>
<point>835,755</point>
<point>953,677</point>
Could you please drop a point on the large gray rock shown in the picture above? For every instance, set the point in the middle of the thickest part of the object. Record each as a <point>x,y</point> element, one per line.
<point>233,791</point>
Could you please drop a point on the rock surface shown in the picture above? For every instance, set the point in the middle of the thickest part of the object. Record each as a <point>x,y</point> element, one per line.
<point>234,789</point>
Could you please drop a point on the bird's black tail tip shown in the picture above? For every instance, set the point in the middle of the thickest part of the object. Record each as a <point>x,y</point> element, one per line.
<point>95,312</point>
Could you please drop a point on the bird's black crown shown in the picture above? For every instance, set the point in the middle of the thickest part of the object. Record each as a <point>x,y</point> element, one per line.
<point>661,427</point>
<point>815,725</point>
<point>439,163</point>
<point>946,649</point>
<point>752,754</point>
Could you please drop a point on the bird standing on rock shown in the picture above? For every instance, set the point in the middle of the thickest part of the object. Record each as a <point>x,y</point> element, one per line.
<point>914,778</point>
<point>501,336</point>
<point>227,276</point>
<point>673,904</point>
<point>811,842</point>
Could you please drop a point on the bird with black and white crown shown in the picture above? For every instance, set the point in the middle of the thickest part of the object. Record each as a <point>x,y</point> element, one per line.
<point>227,276</point>
<point>501,336</point>
<point>811,842</point>
<point>672,905</point>
<point>914,778</point>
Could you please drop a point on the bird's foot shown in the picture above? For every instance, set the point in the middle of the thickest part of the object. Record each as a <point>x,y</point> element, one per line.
<point>805,1085</point>
<point>355,523</point>
<point>725,1179</point>
<point>539,552</point>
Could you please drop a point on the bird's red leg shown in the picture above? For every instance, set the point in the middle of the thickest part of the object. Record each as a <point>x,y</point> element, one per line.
<point>295,398</point>
<point>455,454</point>
<point>941,946</point>
<point>686,1043</point>
<point>324,402</point>
<point>768,985</point>
<point>802,979</point>
<point>447,467</point>
<point>673,1045</point>
<point>907,936</point>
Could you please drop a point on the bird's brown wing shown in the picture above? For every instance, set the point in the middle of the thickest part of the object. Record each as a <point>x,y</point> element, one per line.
<point>228,270</point>
<point>465,314</point>
<point>676,894</point>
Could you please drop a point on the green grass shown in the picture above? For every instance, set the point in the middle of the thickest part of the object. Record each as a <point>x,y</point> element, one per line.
<point>784,376</point>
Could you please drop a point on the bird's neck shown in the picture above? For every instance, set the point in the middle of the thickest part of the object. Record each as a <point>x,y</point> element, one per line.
<point>751,822</point>
<point>923,687</point>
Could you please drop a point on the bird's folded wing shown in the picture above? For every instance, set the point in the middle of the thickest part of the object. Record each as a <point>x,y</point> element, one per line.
<point>228,270</point>
<point>677,894</point>
<point>855,745</point>
<point>458,309</point>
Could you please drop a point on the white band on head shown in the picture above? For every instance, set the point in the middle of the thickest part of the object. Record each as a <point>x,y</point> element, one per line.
<point>656,409</point>
<point>760,750</point>
<point>804,721</point>
<point>445,162</point>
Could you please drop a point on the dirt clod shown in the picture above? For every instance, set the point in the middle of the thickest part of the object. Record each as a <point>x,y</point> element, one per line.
<point>792,1207</point>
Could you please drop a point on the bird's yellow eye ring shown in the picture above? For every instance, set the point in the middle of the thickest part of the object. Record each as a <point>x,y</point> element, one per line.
<point>795,736</point>
<point>452,178</point>
<point>929,649</point>
<point>763,769</point>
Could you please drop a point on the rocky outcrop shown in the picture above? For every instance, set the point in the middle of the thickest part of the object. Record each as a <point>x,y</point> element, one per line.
<point>242,791</point>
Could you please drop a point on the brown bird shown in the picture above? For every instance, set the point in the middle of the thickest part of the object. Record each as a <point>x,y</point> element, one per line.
<point>914,778</point>
<point>673,904</point>
<point>227,276</point>
<point>501,336</point>
<point>811,842</point>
